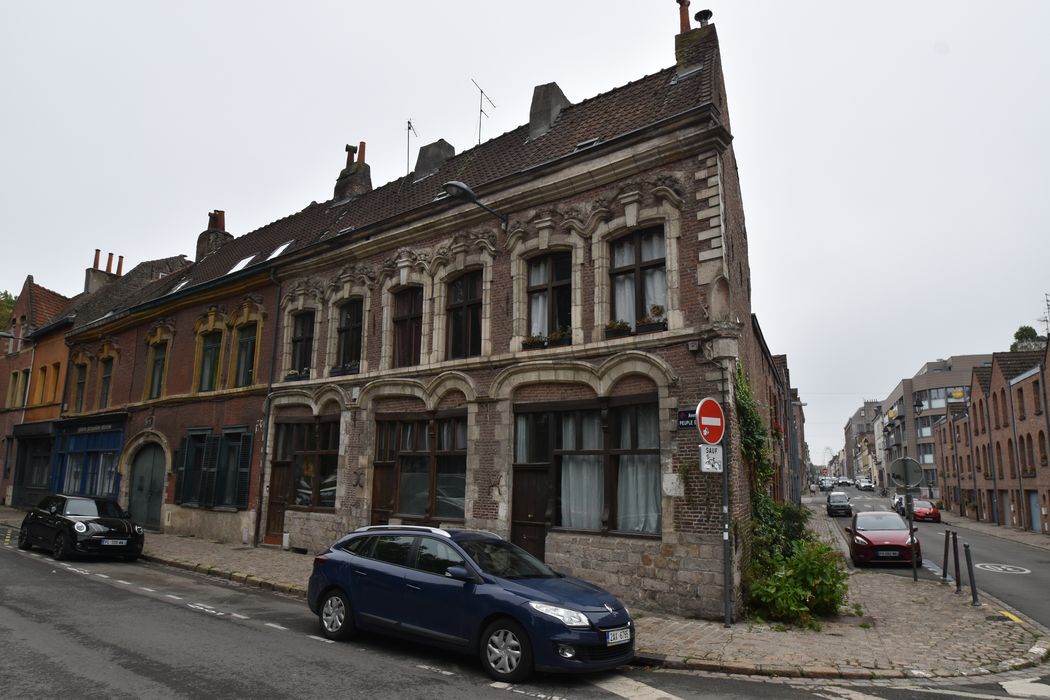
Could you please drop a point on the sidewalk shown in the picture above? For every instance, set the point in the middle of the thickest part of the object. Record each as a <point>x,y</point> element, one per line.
<point>956,638</point>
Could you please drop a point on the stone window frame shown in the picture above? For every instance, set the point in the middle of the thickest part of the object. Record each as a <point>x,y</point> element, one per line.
<point>213,321</point>
<point>248,313</point>
<point>522,249</point>
<point>300,299</point>
<point>391,286</point>
<point>78,360</point>
<point>665,212</point>
<point>345,291</point>
<point>108,351</point>
<point>161,334</point>
<point>464,256</point>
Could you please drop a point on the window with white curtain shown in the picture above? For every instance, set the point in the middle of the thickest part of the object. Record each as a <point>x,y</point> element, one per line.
<point>550,293</point>
<point>605,477</point>
<point>639,278</point>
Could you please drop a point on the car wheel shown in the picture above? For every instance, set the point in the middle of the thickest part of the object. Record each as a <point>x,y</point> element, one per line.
<point>60,547</point>
<point>335,617</point>
<point>23,538</point>
<point>506,652</point>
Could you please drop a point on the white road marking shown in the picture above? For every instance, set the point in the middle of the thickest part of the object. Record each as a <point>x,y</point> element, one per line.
<point>435,670</point>
<point>276,627</point>
<point>960,694</point>
<point>846,694</point>
<point>1027,688</point>
<point>173,597</point>
<point>240,617</point>
<point>507,686</point>
<point>147,589</point>
<point>101,575</point>
<point>629,688</point>
<point>320,639</point>
<point>125,583</point>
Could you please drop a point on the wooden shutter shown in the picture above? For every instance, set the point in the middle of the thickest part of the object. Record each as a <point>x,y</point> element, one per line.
<point>244,470</point>
<point>212,443</point>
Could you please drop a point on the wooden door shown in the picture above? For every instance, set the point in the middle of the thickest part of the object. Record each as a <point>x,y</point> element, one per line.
<point>530,508</point>
<point>384,493</point>
<point>280,487</point>
<point>147,487</point>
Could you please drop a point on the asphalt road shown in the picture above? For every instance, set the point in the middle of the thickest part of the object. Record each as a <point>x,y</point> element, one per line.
<point>105,629</point>
<point>1015,573</point>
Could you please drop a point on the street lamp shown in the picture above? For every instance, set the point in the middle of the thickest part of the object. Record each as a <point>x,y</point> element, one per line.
<point>460,190</point>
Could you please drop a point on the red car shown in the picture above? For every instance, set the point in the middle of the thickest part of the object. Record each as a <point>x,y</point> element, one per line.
<point>924,510</point>
<point>881,536</point>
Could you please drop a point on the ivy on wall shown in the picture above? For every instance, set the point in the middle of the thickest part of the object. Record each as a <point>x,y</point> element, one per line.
<point>754,439</point>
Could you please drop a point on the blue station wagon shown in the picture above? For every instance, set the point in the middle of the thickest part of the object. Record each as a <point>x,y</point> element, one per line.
<point>471,591</point>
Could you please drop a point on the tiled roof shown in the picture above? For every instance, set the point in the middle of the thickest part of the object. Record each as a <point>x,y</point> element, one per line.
<point>619,112</point>
<point>126,290</point>
<point>984,377</point>
<point>1011,364</point>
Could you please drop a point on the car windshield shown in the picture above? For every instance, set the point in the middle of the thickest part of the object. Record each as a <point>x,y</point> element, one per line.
<point>503,559</point>
<point>880,521</point>
<point>94,509</point>
<point>922,504</point>
<point>839,498</point>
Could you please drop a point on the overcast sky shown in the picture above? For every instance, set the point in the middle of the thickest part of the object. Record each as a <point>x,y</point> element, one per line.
<point>892,155</point>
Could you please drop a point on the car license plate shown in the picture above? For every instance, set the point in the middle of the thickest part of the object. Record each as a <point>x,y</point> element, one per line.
<point>621,636</point>
<point>888,553</point>
<point>115,543</point>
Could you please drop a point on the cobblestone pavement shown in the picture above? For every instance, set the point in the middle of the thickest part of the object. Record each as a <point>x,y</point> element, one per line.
<point>879,643</point>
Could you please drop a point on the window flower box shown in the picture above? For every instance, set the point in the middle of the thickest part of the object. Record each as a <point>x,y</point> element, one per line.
<point>617,329</point>
<point>350,368</point>
<point>645,326</point>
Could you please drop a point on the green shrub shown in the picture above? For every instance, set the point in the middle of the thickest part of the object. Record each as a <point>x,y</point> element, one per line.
<point>809,583</point>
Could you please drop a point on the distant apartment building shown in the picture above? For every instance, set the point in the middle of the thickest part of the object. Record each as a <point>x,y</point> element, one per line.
<point>859,441</point>
<point>904,424</point>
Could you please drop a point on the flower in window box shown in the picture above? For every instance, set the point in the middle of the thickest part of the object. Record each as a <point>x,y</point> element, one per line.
<point>655,321</point>
<point>617,328</point>
<point>533,342</point>
<point>561,336</point>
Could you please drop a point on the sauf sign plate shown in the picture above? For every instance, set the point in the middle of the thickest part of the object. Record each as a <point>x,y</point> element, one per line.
<point>711,458</point>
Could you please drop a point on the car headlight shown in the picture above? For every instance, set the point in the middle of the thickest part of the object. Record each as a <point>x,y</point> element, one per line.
<point>571,618</point>
<point>912,540</point>
<point>138,530</point>
<point>80,527</point>
<point>860,540</point>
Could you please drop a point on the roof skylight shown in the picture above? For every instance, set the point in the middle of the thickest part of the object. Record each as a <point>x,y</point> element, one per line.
<point>278,250</point>
<point>241,265</point>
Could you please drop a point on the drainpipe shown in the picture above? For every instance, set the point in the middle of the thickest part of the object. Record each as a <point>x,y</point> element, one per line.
<point>1017,457</point>
<point>955,460</point>
<point>991,459</point>
<point>1046,420</point>
<point>268,406</point>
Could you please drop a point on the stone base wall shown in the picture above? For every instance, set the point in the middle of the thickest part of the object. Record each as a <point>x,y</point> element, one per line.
<point>681,575</point>
<point>212,525</point>
<point>314,532</point>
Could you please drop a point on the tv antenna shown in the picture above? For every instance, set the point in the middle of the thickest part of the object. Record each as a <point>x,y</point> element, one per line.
<point>1046,317</point>
<point>410,131</point>
<point>482,99</point>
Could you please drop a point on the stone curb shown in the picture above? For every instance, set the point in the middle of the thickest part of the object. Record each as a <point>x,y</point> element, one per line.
<point>236,576</point>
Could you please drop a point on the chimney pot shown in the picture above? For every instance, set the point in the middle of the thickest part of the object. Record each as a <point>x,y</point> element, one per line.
<point>703,17</point>
<point>109,264</point>
<point>98,252</point>
<point>120,265</point>
<point>361,152</point>
<point>683,16</point>
<point>350,151</point>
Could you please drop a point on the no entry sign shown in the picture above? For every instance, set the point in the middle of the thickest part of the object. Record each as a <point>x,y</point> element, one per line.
<point>710,421</point>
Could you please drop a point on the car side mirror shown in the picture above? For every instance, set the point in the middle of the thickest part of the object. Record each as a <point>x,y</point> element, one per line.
<point>849,530</point>
<point>460,573</point>
<point>915,529</point>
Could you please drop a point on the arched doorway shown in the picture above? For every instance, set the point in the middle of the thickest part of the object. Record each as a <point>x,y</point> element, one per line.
<point>147,486</point>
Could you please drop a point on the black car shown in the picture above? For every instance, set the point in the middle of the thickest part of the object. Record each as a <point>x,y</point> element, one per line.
<point>838,504</point>
<point>68,525</point>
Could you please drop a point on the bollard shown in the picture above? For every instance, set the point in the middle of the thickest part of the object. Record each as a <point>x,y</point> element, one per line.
<point>969,570</point>
<point>944,569</point>
<point>955,549</point>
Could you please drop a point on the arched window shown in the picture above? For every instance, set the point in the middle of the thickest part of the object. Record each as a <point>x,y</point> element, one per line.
<point>1031,453</point>
<point>1042,448</point>
<point>1013,459</point>
<point>995,409</point>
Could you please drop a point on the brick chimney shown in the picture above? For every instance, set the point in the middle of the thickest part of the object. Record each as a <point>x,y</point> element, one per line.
<point>95,278</point>
<point>214,237</point>
<point>691,45</point>
<point>356,178</point>
<point>431,157</point>
<point>547,103</point>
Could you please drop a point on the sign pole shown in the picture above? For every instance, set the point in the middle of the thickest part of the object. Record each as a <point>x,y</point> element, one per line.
<point>727,550</point>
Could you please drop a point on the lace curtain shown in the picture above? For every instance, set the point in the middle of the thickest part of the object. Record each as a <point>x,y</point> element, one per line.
<point>582,476</point>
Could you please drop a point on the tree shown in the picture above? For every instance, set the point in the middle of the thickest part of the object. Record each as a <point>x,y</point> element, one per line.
<point>1027,339</point>
<point>7,303</point>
